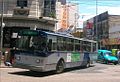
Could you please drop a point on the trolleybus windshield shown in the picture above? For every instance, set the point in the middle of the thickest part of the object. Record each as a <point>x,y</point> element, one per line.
<point>32,40</point>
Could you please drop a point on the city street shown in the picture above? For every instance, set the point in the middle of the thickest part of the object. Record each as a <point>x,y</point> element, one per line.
<point>96,73</point>
<point>46,35</point>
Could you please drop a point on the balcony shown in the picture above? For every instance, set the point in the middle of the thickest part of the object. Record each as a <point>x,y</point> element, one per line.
<point>21,11</point>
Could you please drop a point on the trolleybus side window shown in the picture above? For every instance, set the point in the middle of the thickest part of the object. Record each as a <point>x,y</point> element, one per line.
<point>94,47</point>
<point>72,45</point>
<point>60,43</point>
<point>64,43</point>
<point>50,45</point>
<point>83,46</point>
<point>77,45</point>
<point>86,46</point>
<point>39,43</point>
<point>54,44</point>
<point>68,45</point>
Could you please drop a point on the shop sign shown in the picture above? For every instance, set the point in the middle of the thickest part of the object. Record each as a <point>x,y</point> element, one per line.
<point>112,41</point>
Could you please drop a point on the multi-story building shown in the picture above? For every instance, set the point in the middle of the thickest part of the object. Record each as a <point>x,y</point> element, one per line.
<point>113,42</point>
<point>107,32</point>
<point>67,16</point>
<point>27,14</point>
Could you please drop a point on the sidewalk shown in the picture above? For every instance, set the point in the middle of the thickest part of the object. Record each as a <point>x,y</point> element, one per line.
<point>2,65</point>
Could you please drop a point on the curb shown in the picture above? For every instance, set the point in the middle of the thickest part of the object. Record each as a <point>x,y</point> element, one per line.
<point>2,65</point>
<point>6,67</point>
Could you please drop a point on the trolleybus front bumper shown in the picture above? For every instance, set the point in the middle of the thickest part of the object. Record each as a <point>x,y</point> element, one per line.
<point>30,67</point>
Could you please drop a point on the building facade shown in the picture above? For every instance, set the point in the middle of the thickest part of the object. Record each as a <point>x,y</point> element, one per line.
<point>26,14</point>
<point>107,32</point>
<point>67,16</point>
<point>113,42</point>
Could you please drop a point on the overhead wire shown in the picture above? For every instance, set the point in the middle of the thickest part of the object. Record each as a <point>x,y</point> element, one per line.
<point>108,3</point>
<point>99,3</point>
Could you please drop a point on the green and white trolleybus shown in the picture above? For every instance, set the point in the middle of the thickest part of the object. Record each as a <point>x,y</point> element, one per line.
<point>39,50</point>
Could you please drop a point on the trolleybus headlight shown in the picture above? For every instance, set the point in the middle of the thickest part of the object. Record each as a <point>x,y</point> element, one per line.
<point>39,61</point>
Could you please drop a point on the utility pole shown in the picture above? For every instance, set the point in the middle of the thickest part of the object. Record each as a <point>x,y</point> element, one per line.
<point>75,23</point>
<point>2,26</point>
<point>96,23</point>
<point>96,20</point>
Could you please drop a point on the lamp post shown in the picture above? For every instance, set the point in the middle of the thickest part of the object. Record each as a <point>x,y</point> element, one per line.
<point>2,26</point>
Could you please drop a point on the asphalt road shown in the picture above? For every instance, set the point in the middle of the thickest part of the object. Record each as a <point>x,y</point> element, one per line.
<point>95,73</point>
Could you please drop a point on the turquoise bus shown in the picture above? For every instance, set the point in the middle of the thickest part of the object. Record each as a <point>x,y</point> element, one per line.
<point>39,50</point>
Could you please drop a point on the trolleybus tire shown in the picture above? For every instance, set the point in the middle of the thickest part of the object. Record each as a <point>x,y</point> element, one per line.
<point>115,63</point>
<point>60,67</point>
<point>88,64</point>
<point>32,71</point>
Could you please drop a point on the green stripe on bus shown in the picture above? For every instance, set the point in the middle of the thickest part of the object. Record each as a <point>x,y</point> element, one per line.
<point>75,57</point>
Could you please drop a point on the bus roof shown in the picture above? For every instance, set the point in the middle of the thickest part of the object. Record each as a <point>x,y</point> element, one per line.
<point>37,32</point>
<point>69,36</point>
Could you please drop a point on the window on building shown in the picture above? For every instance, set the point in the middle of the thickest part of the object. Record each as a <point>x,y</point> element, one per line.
<point>49,8</point>
<point>22,3</point>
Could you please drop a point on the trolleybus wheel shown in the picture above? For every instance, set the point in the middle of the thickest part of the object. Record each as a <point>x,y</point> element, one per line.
<point>115,63</point>
<point>60,66</point>
<point>88,64</point>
